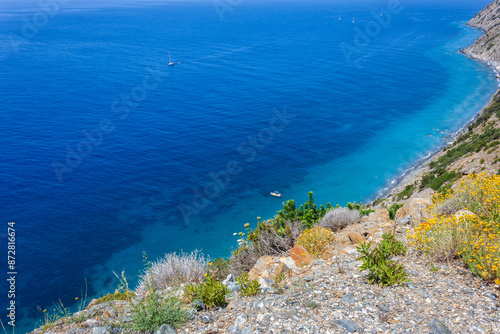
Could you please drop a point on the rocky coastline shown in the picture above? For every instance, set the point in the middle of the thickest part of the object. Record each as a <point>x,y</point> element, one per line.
<point>330,293</point>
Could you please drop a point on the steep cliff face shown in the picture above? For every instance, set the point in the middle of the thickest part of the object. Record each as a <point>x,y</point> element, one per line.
<point>487,48</point>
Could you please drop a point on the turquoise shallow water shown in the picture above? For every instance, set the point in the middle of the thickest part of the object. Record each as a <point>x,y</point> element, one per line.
<point>357,125</point>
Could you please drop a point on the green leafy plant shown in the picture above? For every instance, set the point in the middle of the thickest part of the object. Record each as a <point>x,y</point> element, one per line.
<point>247,287</point>
<point>211,292</point>
<point>363,209</point>
<point>389,246</point>
<point>382,270</point>
<point>155,310</point>
<point>308,213</point>
<point>393,209</point>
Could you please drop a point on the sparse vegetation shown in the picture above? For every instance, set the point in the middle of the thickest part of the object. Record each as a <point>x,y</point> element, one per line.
<point>383,270</point>
<point>315,240</point>
<point>472,235</point>
<point>393,209</point>
<point>118,295</point>
<point>173,269</point>
<point>338,218</point>
<point>211,292</point>
<point>155,310</point>
<point>247,287</point>
<point>408,191</point>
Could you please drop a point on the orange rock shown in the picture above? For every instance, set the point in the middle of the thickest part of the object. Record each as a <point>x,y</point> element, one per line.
<point>356,238</point>
<point>300,256</point>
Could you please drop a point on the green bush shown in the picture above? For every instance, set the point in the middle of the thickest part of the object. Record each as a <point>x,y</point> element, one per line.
<point>393,209</point>
<point>149,314</point>
<point>211,292</point>
<point>308,213</point>
<point>247,287</point>
<point>382,270</point>
<point>363,209</point>
<point>389,246</point>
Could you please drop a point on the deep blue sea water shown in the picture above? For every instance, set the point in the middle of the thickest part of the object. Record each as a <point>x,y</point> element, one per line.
<point>107,152</point>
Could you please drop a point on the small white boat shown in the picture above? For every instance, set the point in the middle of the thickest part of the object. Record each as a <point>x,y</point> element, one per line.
<point>353,20</point>
<point>170,62</point>
<point>276,194</point>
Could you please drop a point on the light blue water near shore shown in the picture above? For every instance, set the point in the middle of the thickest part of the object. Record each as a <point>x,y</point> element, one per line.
<point>356,125</point>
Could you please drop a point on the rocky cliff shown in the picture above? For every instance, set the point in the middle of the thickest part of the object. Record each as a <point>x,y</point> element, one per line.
<point>487,48</point>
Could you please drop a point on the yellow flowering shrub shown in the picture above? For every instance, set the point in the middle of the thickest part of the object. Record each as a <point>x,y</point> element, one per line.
<point>473,235</point>
<point>315,240</point>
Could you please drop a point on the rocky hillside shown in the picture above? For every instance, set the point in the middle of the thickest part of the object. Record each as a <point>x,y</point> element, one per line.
<point>332,295</point>
<point>487,48</point>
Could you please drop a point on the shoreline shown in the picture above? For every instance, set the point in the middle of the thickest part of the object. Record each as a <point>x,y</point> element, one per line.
<point>415,170</point>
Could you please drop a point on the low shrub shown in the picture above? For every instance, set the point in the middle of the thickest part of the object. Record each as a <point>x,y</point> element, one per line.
<point>154,310</point>
<point>383,270</point>
<point>363,209</point>
<point>393,209</point>
<point>211,292</point>
<point>315,240</point>
<point>263,240</point>
<point>339,218</point>
<point>173,269</point>
<point>247,287</point>
<point>118,295</point>
<point>473,235</point>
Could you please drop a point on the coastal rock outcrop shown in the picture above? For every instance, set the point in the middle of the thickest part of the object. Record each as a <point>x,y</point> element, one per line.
<point>487,47</point>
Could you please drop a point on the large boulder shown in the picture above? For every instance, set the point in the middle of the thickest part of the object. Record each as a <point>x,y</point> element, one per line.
<point>415,210</point>
<point>268,267</point>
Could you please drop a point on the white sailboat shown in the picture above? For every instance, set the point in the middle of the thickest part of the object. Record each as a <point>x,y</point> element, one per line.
<point>170,62</point>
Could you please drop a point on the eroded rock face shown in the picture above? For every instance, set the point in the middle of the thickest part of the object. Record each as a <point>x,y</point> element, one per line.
<point>300,256</point>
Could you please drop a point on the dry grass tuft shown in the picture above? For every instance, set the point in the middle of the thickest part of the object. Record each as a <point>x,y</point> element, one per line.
<point>173,269</point>
<point>339,218</point>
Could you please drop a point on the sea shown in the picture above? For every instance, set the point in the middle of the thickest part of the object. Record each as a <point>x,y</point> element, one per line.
<point>107,152</point>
